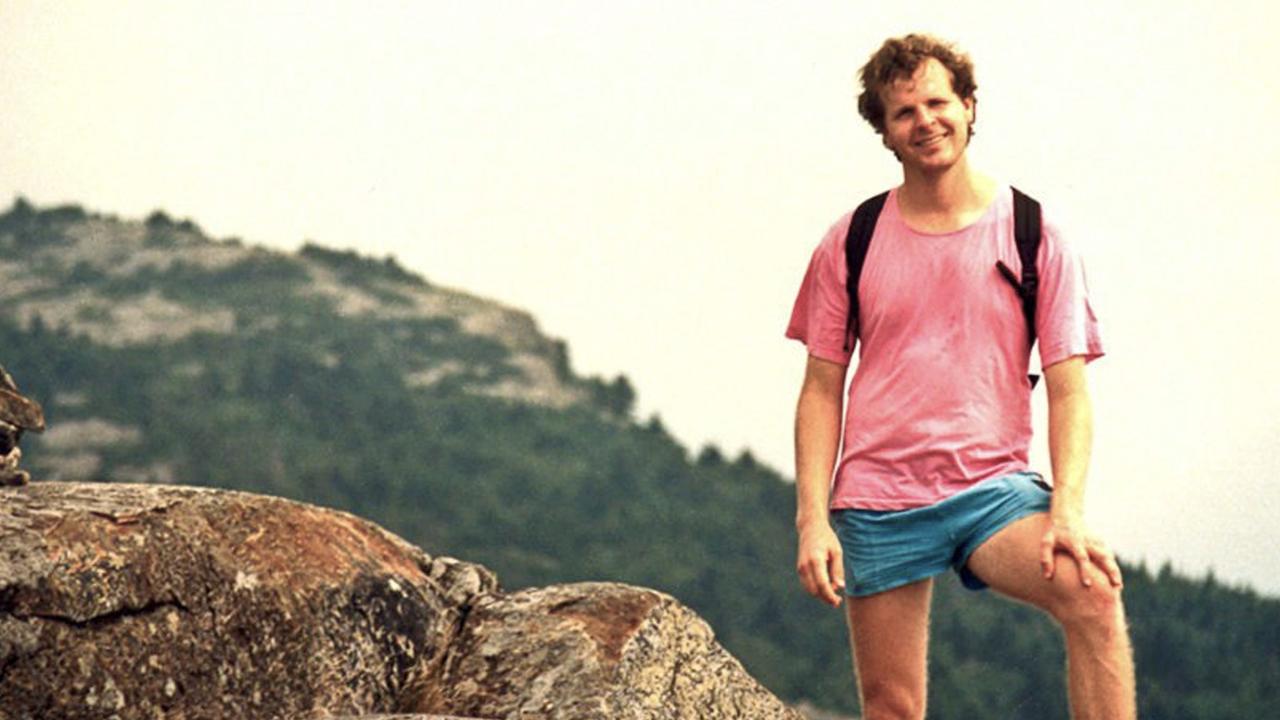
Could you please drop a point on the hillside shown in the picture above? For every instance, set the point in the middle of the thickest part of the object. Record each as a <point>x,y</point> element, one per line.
<point>351,382</point>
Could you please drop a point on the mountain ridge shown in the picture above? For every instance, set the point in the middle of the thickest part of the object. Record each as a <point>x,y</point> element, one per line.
<point>100,255</point>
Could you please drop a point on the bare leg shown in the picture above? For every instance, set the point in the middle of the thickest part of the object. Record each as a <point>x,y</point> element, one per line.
<point>889,635</point>
<point>1100,678</point>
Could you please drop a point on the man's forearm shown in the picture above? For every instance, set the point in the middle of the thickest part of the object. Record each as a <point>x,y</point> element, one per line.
<point>819,561</point>
<point>1070,440</point>
<point>817,441</point>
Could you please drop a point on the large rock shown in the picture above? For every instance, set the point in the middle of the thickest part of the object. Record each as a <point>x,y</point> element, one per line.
<point>597,650</point>
<point>154,601</point>
<point>143,601</point>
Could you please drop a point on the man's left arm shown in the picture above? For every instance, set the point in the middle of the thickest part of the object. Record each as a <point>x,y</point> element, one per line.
<point>1070,442</point>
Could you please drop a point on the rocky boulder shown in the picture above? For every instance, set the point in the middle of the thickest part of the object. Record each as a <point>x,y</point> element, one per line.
<point>596,650</point>
<point>145,601</point>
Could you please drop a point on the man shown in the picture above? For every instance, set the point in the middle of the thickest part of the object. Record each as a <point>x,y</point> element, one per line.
<point>933,470</point>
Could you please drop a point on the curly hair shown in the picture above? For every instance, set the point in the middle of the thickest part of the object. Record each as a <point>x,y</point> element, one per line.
<point>898,59</point>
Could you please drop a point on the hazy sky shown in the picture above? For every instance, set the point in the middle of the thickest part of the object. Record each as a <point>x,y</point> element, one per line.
<point>649,178</point>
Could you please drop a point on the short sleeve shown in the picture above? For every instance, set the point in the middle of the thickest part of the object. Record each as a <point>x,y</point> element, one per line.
<point>1065,322</point>
<point>819,317</point>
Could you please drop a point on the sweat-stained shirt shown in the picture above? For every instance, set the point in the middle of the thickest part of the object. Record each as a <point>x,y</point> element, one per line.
<point>940,398</point>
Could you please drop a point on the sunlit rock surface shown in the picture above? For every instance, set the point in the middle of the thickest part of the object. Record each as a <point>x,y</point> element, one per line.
<point>153,601</point>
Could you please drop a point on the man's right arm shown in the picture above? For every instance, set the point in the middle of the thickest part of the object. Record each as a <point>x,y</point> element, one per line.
<point>819,561</point>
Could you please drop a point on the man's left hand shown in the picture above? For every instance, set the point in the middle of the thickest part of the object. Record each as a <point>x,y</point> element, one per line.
<point>1070,537</point>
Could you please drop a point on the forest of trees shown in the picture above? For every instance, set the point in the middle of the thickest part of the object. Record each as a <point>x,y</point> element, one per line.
<point>317,409</point>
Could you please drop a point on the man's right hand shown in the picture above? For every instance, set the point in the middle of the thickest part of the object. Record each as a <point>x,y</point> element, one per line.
<point>820,563</point>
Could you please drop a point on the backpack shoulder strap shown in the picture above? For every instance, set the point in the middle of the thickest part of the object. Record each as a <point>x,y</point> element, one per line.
<point>856,243</point>
<point>1027,233</point>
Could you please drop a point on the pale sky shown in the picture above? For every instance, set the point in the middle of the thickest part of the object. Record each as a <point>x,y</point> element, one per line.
<point>649,178</point>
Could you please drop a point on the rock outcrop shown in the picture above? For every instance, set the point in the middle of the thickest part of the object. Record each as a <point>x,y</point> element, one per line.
<point>144,601</point>
<point>159,601</point>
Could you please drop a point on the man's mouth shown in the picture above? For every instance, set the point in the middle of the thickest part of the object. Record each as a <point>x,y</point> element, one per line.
<point>930,141</point>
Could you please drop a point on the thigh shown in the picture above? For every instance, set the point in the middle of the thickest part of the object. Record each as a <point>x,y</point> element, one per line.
<point>889,634</point>
<point>1010,563</point>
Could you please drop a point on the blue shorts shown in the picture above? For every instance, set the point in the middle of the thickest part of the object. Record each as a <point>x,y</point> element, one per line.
<point>887,549</point>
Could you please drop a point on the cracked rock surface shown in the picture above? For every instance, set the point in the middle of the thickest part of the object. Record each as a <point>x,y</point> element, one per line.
<point>159,601</point>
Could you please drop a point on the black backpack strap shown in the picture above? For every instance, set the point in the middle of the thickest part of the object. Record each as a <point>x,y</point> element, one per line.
<point>1027,233</point>
<point>861,228</point>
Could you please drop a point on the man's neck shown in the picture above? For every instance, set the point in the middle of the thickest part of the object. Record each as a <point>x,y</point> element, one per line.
<point>945,200</point>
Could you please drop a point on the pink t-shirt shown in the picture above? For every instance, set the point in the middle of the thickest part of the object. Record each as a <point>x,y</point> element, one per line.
<point>940,398</point>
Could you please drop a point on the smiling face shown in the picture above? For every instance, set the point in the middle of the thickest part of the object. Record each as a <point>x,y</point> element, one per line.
<point>926,124</point>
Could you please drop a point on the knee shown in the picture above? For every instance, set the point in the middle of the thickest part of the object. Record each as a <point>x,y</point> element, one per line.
<point>1097,608</point>
<point>891,701</point>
